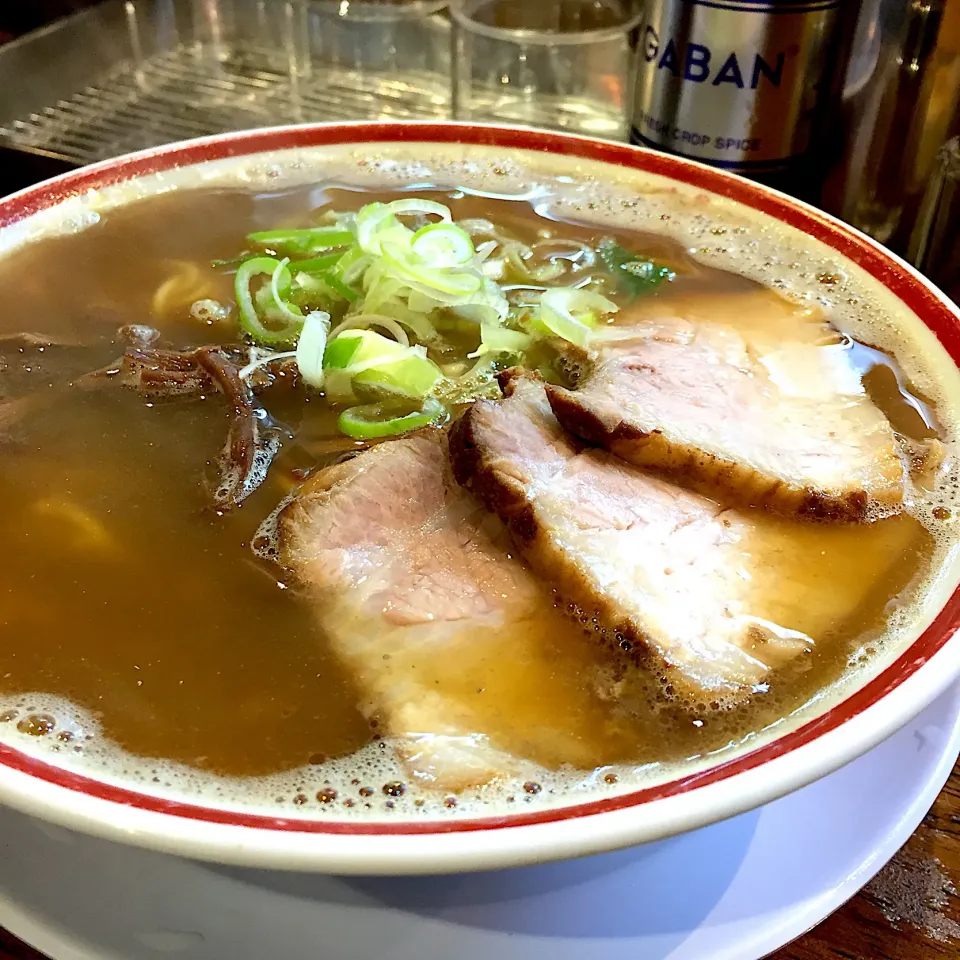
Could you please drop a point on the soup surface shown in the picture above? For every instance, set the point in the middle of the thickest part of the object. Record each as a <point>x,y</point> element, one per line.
<point>142,636</point>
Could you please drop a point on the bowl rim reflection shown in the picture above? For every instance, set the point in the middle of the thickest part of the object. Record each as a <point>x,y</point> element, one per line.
<point>854,725</point>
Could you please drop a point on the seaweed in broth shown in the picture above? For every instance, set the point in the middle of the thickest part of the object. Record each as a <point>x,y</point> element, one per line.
<point>125,595</point>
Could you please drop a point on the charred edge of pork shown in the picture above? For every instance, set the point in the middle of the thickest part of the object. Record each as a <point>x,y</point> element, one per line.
<point>727,478</point>
<point>472,470</point>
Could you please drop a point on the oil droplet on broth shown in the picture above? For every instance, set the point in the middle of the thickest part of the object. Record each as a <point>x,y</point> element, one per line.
<point>37,725</point>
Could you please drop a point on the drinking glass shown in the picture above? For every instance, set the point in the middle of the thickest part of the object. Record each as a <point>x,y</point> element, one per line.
<point>380,59</point>
<point>241,36</point>
<point>562,64</point>
<point>935,245</point>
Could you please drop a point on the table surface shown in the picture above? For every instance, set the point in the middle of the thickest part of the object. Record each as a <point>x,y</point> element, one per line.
<point>910,911</point>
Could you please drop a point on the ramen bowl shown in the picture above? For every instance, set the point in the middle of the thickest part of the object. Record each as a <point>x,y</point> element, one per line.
<point>725,218</point>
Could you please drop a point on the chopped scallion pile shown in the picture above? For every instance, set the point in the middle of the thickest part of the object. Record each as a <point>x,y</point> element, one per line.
<point>375,306</point>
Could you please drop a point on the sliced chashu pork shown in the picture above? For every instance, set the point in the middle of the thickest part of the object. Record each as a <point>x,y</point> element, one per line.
<point>449,638</point>
<point>716,597</point>
<point>747,395</point>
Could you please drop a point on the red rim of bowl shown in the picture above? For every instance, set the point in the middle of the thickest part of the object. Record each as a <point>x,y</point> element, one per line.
<point>895,276</point>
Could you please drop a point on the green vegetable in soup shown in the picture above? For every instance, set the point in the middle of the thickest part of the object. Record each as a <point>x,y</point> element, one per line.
<point>634,275</point>
<point>378,301</point>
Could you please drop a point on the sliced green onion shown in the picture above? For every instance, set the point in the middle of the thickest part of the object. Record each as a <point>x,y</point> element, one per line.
<point>367,359</point>
<point>377,222</point>
<point>453,282</point>
<point>340,351</point>
<point>367,320</point>
<point>311,347</point>
<point>501,340</point>
<point>379,289</point>
<point>319,264</point>
<point>419,205</point>
<point>353,264</point>
<point>324,284</point>
<point>411,376</point>
<point>340,288</point>
<point>302,241</point>
<point>420,326</point>
<point>370,219</point>
<point>397,319</point>
<point>278,287</point>
<point>361,348</point>
<point>487,305</point>
<point>285,309</point>
<point>570,313</point>
<point>374,222</point>
<point>367,422</point>
<point>380,273</point>
<point>442,244</point>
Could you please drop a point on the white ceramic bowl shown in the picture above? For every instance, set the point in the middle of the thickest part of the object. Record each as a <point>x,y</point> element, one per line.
<point>862,715</point>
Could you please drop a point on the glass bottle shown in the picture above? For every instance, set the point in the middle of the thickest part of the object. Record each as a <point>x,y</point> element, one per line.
<point>901,107</point>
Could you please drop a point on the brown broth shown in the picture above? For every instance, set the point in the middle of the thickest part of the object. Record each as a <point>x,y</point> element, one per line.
<point>124,594</point>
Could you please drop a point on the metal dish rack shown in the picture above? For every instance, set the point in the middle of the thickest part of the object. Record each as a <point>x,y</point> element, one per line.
<point>129,75</point>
